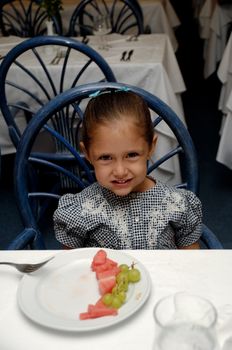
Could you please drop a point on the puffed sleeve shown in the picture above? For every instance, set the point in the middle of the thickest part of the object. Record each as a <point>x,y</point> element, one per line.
<point>69,225</point>
<point>189,229</point>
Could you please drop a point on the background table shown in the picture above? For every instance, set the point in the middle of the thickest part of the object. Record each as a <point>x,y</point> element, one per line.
<point>224,153</point>
<point>205,273</point>
<point>214,21</point>
<point>224,74</point>
<point>159,15</point>
<point>153,67</point>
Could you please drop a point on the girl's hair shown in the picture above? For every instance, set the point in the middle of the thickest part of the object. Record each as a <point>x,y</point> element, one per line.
<point>115,105</point>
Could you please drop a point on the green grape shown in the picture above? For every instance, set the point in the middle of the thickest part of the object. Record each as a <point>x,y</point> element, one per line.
<point>124,267</point>
<point>118,294</point>
<point>115,289</point>
<point>122,296</point>
<point>116,302</point>
<point>107,299</point>
<point>134,275</point>
<point>123,286</point>
<point>122,276</point>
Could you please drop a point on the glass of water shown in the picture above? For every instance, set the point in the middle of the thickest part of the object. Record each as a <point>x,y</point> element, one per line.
<point>185,322</point>
<point>102,28</point>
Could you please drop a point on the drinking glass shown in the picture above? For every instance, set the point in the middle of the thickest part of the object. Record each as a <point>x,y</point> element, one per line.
<point>101,28</point>
<point>185,322</point>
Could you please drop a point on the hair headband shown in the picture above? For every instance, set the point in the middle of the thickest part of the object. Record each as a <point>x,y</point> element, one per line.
<point>99,92</point>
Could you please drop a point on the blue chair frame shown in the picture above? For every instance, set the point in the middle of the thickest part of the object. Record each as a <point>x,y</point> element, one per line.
<point>35,90</point>
<point>24,157</point>
<point>32,45</point>
<point>20,19</point>
<point>125,16</point>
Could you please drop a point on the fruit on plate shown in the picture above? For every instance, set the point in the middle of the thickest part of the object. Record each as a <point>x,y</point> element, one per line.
<point>106,284</point>
<point>113,281</point>
<point>97,310</point>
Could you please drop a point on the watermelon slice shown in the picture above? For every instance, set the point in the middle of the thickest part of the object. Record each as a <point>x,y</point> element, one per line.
<point>106,284</point>
<point>103,267</point>
<point>100,303</point>
<point>95,312</point>
<point>106,271</point>
<point>99,258</point>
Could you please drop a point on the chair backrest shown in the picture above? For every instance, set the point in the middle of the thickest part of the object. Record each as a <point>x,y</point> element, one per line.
<point>30,77</point>
<point>75,99</point>
<point>125,17</point>
<point>25,18</point>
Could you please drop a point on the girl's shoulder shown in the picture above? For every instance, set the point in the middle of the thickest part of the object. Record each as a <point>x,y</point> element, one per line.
<point>91,192</point>
<point>179,193</point>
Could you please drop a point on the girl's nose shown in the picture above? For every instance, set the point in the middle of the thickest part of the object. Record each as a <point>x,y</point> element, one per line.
<point>120,170</point>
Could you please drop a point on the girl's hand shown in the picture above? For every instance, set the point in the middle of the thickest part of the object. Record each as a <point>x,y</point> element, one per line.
<point>192,246</point>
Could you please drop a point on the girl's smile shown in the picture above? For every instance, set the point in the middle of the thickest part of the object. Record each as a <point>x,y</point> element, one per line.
<point>119,153</point>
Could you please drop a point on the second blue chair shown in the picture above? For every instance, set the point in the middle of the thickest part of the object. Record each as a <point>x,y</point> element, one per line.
<point>125,17</point>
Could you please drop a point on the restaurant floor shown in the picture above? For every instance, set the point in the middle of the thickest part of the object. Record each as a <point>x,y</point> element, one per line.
<point>203,119</point>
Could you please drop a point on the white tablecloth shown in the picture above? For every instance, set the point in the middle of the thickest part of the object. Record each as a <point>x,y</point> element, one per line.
<point>159,15</point>
<point>224,154</point>
<point>214,20</point>
<point>153,67</point>
<point>197,6</point>
<point>224,73</point>
<point>205,273</point>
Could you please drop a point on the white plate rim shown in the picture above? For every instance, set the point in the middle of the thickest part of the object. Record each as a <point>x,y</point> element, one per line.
<point>27,289</point>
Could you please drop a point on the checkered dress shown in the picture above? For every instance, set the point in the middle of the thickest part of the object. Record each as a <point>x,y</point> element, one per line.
<point>161,218</point>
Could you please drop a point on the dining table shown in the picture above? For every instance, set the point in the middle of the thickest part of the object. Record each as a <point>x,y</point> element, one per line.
<point>224,151</point>
<point>152,66</point>
<point>197,6</point>
<point>214,20</point>
<point>206,273</point>
<point>224,73</point>
<point>159,16</point>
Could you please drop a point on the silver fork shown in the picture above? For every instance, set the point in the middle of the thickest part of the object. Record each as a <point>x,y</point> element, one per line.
<point>56,59</point>
<point>27,268</point>
<point>60,54</point>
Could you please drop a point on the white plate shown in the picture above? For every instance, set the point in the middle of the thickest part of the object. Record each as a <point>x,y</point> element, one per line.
<point>55,295</point>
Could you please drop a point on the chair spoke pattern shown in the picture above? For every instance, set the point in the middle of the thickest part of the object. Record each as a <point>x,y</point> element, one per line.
<point>39,81</point>
<point>125,17</point>
<point>25,19</point>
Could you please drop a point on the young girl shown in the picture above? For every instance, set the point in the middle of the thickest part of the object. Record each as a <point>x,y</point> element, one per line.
<point>125,208</point>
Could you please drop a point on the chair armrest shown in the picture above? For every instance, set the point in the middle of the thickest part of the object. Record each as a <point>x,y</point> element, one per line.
<point>28,237</point>
<point>209,239</point>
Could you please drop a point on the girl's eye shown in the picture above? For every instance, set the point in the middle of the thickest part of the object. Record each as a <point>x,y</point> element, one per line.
<point>132,155</point>
<point>105,157</point>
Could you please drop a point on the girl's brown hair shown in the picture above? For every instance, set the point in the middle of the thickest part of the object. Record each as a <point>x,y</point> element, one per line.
<point>111,106</point>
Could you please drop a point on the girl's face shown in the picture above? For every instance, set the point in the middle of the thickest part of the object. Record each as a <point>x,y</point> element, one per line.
<point>119,154</point>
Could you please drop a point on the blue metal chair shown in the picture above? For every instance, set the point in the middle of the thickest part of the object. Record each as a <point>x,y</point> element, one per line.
<point>25,19</point>
<point>21,98</point>
<point>39,85</point>
<point>71,99</point>
<point>125,17</point>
